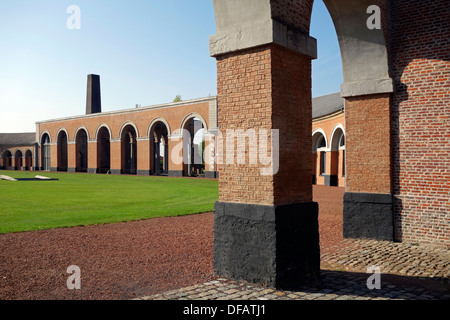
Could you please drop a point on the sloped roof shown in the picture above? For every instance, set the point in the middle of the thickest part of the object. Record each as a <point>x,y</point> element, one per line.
<point>327,104</point>
<point>18,139</point>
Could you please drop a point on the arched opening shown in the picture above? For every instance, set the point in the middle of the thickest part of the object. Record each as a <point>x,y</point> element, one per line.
<point>245,37</point>
<point>103,151</point>
<point>28,160</point>
<point>45,152</point>
<point>81,151</point>
<point>7,160</point>
<point>159,149</point>
<point>193,137</point>
<point>337,157</point>
<point>18,160</point>
<point>129,150</point>
<point>62,151</point>
<point>319,157</point>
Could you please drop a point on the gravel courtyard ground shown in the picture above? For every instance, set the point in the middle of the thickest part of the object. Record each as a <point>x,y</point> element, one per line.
<point>133,259</point>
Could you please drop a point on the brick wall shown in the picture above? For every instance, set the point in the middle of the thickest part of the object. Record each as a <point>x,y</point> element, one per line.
<point>420,119</point>
<point>140,119</point>
<point>334,158</point>
<point>13,149</point>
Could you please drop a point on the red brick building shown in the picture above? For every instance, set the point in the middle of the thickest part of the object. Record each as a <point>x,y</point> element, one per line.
<point>391,144</point>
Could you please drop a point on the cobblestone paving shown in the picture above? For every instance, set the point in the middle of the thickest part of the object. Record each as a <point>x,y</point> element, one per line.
<point>408,272</point>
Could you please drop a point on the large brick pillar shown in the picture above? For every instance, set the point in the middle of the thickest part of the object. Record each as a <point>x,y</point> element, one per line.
<point>93,161</point>
<point>53,156</point>
<point>367,90</point>
<point>368,211</point>
<point>175,153</point>
<point>265,225</point>
<point>116,156</point>
<point>143,157</point>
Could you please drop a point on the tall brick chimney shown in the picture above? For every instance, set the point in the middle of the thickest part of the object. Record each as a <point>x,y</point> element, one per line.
<point>93,99</point>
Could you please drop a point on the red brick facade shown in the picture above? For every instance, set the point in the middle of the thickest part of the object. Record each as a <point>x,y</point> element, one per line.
<point>331,128</point>
<point>140,123</point>
<point>396,141</point>
<point>420,120</point>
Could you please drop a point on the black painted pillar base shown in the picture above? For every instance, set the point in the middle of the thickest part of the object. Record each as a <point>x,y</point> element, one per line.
<point>212,174</point>
<point>368,216</point>
<point>277,246</point>
<point>175,173</point>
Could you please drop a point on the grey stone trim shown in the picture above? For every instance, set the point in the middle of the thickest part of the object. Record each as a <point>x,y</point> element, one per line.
<point>175,173</point>
<point>368,216</point>
<point>53,169</point>
<point>366,87</point>
<point>212,174</point>
<point>143,172</point>
<point>115,171</point>
<point>261,33</point>
<point>330,180</point>
<point>92,170</point>
<point>131,110</point>
<point>277,246</point>
<point>212,121</point>
<point>71,170</point>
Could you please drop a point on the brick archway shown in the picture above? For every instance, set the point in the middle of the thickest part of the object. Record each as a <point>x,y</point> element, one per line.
<point>264,52</point>
<point>62,150</point>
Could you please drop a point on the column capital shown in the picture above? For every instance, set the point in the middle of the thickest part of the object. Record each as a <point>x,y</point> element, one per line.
<point>260,33</point>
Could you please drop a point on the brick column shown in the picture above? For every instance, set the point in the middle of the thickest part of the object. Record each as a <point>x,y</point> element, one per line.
<point>116,156</point>
<point>143,157</point>
<point>265,225</point>
<point>71,156</point>
<point>93,164</point>
<point>368,209</point>
<point>175,154</point>
<point>53,157</point>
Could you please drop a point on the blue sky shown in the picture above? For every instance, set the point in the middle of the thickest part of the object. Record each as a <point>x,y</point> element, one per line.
<point>145,51</point>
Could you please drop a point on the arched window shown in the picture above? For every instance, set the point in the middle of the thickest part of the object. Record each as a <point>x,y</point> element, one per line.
<point>342,151</point>
<point>45,156</point>
<point>18,160</point>
<point>129,150</point>
<point>103,150</point>
<point>159,149</point>
<point>192,142</point>
<point>28,160</point>
<point>62,151</point>
<point>81,151</point>
<point>319,152</point>
<point>321,146</point>
<point>7,159</point>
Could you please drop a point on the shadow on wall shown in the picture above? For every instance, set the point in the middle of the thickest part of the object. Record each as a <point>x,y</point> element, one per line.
<point>428,30</point>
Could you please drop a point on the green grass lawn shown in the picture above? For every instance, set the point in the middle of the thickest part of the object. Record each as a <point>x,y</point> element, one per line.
<point>86,199</point>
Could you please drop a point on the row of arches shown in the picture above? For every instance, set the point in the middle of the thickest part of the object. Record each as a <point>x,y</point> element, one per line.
<point>329,157</point>
<point>158,137</point>
<point>19,160</point>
